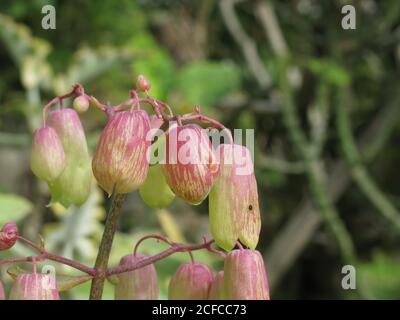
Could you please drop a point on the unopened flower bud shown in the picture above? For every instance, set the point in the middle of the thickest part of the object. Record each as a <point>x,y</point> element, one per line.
<point>34,286</point>
<point>191,281</point>
<point>120,161</point>
<point>190,166</point>
<point>233,200</point>
<point>8,236</point>
<point>139,284</point>
<point>155,191</point>
<point>73,185</point>
<point>245,276</point>
<point>217,290</point>
<point>81,104</point>
<point>142,84</point>
<point>47,157</point>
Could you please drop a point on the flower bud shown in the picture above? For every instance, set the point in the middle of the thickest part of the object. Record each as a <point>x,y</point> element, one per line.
<point>47,157</point>
<point>34,286</point>
<point>73,185</point>
<point>155,191</point>
<point>217,287</point>
<point>139,284</point>
<point>120,161</point>
<point>190,167</point>
<point>2,294</point>
<point>142,84</point>
<point>81,104</point>
<point>245,276</point>
<point>233,200</point>
<point>191,281</point>
<point>8,236</point>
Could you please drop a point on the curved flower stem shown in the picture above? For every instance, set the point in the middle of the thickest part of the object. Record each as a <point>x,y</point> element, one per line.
<point>44,255</point>
<point>49,256</point>
<point>77,90</point>
<point>96,290</point>
<point>176,247</point>
<point>152,236</point>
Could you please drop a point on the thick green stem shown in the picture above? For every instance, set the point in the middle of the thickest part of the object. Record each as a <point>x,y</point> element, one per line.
<point>96,291</point>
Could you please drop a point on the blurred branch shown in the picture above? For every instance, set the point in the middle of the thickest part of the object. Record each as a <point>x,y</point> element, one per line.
<point>314,169</point>
<point>247,45</point>
<point>265,13</point>
<point>14,139</point>
<point>295,235</point>
<point>318,118</point>
<point>280,165</point>
<point>360,174</point>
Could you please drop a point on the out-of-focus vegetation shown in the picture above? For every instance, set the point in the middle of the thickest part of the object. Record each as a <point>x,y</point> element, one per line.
<point>324,103</point>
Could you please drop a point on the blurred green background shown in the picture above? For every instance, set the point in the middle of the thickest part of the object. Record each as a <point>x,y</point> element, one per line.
<point>324,103</point>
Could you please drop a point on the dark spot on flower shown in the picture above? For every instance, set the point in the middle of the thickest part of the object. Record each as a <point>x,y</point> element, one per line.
<point>250,207</point>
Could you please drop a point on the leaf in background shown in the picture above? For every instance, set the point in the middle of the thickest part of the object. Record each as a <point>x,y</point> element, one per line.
<point>382,276</point>
<point>329,71</point>
<point>154,63</point>
<point>13,207</point>
<point>205,83</point>
<point>64,282</point>
<point>74,235</point>
<point>88,64</point>
<point>28,52</point>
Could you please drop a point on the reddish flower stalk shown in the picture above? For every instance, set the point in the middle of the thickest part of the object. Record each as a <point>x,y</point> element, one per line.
<point>176,247</point>
<point>49,256</point>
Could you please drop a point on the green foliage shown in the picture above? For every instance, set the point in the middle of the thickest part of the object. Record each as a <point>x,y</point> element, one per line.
<point>382,276</point>
<point>75,235</point>
<point>205,83</point>
<point>154,62</point>
<point>13,207</point>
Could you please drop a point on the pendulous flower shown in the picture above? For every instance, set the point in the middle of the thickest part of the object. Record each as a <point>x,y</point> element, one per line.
<point>2,294</point>
<point>233,200</point>
<point>190,166</point>
<point>73,185</point>
<point>120,161</point>
<point>245,277</point>
<point>192,281</point>
<point>34,286</point>
<point>47,156</point>
<point>217,290</point>
<point>139,284</point>
<point>155,191</point>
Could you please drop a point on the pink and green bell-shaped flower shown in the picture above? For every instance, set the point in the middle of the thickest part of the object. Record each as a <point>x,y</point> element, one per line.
<point>233,200</point>
<point>72,186</point>
<point>217,289</point>
<point>47,156</point>
<point>120,162</point>
<point>192,281</point>
<point>34,286</point>
<point>190,166</point>
<point>2,294</point>
<point>139,284</point>
<point>245,277</point>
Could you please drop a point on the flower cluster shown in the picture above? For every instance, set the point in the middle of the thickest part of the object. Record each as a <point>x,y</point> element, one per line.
<point>163,156</point>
